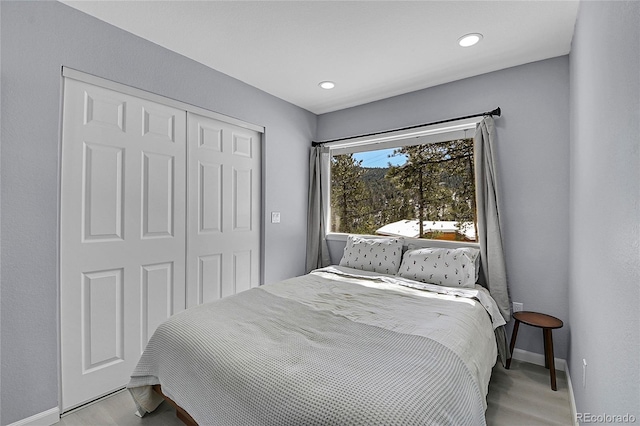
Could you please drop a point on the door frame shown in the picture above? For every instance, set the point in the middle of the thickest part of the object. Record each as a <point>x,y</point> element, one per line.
<point>70,73</point>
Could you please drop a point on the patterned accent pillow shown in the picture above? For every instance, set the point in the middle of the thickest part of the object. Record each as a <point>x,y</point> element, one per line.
<point>381,255</point>
<point>442,266</point>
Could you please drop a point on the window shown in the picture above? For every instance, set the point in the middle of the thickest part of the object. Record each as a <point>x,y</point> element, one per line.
<point>418,190</point>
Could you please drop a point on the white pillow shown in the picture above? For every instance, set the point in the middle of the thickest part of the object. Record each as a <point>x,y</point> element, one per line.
<point>381,255</point>
<point>442,266</point>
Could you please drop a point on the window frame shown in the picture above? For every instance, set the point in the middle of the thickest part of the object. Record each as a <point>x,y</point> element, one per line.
<point>458,129</point>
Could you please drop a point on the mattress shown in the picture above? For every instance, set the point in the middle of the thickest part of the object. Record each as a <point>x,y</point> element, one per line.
<point>336,346</point>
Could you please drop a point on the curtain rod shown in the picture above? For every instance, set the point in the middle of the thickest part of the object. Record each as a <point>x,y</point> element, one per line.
<point>491,113</point>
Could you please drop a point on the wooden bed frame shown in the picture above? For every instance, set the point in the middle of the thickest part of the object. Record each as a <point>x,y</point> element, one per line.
<point>180,412</point>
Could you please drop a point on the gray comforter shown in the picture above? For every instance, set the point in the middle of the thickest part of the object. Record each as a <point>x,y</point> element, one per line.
<point>257,358</point>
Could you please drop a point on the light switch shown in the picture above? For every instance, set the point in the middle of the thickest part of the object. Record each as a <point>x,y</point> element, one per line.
<point>275,217</point>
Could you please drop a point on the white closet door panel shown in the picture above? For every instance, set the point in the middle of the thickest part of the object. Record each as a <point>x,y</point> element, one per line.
<point>157,298</point>
<point>158,175</point>
<point>209,277</point>
<point>241,187</point>
<point>123,232</point>
<point>210,195</point>
<point>103,174</point>
<point>104,109</point>
<point>158,123</point>
<point>223,238</point>
<point>242,270</point>
<point>102,318</point>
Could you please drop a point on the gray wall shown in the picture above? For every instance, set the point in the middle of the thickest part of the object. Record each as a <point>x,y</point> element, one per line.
<point>37,39</point>
<point>533,167</point>
<point>604,289</point>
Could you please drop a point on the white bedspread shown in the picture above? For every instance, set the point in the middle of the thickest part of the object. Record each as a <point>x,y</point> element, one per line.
<point>336,346</point>
<point>454,317</point>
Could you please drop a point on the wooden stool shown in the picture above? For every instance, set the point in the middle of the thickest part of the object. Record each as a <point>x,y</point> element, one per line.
<point>546,323</point>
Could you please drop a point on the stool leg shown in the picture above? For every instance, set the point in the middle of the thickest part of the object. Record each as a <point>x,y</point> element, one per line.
<point>548,338</point>
<point>513,342</point>
<point>546,349</point>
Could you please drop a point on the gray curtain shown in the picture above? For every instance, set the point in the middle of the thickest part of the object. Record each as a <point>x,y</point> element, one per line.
<point>489,230</point>
<point>317,250</point>
<point>488,208</point>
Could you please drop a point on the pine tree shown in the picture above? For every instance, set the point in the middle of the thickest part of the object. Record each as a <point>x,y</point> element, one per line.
<point>438,179</point>
<point>350,198</point>
<point>388,204</point>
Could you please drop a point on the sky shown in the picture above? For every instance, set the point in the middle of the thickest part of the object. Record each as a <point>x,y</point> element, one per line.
<point>379,158</point>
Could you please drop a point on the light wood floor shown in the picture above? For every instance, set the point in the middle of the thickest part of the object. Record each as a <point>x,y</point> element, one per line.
<point>519,396</point>
<point>522,396</point>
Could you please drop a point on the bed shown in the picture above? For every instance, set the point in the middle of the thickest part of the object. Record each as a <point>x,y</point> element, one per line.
<point>343,345</point>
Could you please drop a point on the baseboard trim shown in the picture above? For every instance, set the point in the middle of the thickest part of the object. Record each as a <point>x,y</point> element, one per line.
<point>537,359</point>
<point>48,418</point>
<point>572,399</point>
<point>561,364</point>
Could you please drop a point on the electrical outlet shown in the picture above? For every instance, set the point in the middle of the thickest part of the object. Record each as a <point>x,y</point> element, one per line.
<point>275,217</point>
<point>584,373</point>
<point>517,306</point>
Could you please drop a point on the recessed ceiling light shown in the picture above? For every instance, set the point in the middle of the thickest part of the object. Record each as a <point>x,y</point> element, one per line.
<point>469,39</point>
<point>327,84</point>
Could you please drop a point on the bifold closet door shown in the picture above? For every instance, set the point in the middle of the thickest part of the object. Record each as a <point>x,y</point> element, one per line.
<point>123,224</point>
<point>224,209</point>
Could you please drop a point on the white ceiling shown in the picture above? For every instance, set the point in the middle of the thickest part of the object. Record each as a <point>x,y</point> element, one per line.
<point>371,49</point>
